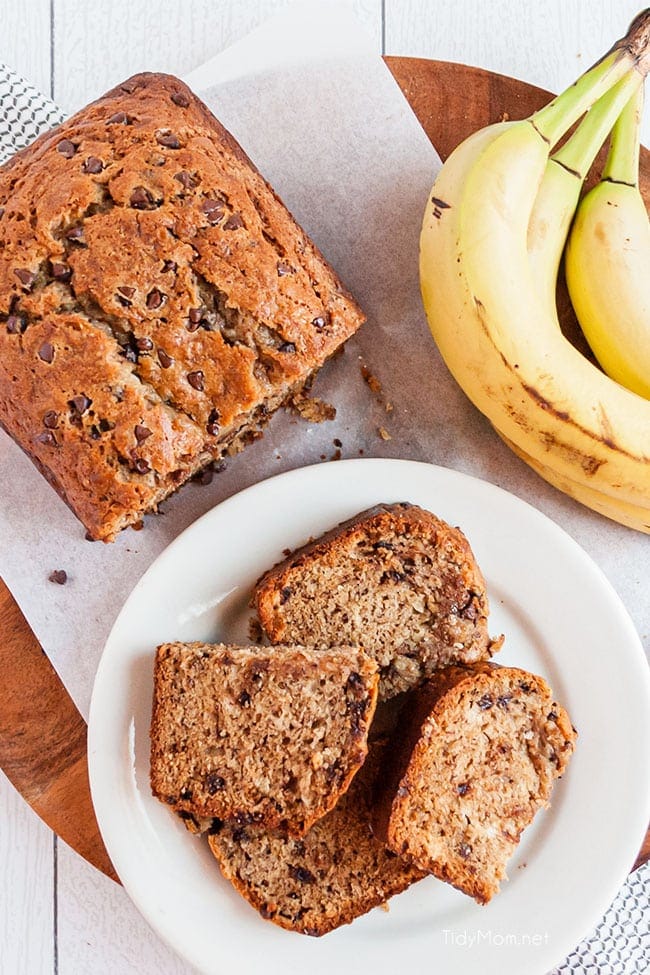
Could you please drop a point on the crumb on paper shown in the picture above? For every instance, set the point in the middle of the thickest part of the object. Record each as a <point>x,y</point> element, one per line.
<point>311,408</point>
<point>384,434</point>
<point>389,406</point>
<point>60,576</point>
<point>385,907</point>
<point>370,379</point>
<point>505,117</point>
<point>336,455</point>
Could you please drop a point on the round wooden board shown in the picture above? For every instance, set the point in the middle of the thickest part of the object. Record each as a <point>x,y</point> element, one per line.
<point>42,735</point>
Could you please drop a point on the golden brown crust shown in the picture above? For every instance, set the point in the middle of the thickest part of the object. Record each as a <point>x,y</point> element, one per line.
<point>157,300</point>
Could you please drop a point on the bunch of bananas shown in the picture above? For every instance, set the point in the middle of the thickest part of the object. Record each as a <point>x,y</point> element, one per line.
<point>494,231</point>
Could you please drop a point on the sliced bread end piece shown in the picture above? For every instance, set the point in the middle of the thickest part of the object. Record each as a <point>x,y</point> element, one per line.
<point>473,760</point>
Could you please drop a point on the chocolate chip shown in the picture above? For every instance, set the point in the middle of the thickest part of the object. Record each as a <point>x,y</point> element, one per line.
<point>464,850</point>
<point>244,699</point>
<point>284,269</point>
<point>61,272</point>
<point>214,783</point>
<point>194,319</point>
<point>195,379</point>
<point>120,118</point>
<point>94,433</point>
<point>486,702</point>
<point>60,576</point>
<point>462,789</point>
<point>164,359</point>
<point>74,233</point>
<point>287,347</point>
<point>213,209</point>
<point>318,322</point>
<point>50,419</point>
<point>144,344</point>
<point>92,165</point>
<point>551,716</point>
<point>46,352</point>
<point>25,276</point>
<point>503,701</point>
<point>2,212</point>
<point>80,403</point>
<point>213,423</point>
<point>141,433</point>
<point>47,437</point>
<point>130,86</point>
<point>129,353</point>
<point>186,794</point>
<point>233,222</point>
<point>525,687</point>
<point>141,199</point>
<point>169,266</point>
<point>66,148</point>
<point>167,139</point>
<point>391,575</point>
<point>285,594</point>
<point>215,827</point>
<point>15,325</point>
<point>155,299</point>
<point>180,98</point>
<point>382,544</point>
<point>140,466</point>
<point>354,682</point>
<point>301,874</point>
<point>189,182</point>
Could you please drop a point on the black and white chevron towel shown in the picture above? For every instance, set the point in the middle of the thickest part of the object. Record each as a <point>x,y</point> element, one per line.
<point>620,944</point>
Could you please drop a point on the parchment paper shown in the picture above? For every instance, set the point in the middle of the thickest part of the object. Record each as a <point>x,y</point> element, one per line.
<point>321,116</point>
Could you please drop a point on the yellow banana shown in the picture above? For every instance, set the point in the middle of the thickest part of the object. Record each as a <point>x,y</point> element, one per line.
<point>608,262</point>
<point>498,335</point>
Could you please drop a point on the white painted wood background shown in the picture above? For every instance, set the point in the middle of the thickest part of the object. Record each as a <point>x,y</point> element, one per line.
<point>58,916</point>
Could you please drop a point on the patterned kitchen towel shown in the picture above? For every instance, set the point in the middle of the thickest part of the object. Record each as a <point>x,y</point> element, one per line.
<point>620,944</point>
<point>24,113</point>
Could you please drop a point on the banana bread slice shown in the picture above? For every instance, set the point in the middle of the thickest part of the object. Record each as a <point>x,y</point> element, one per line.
<point>336,872</point>
<point>394,579</point>
<point>473,760</point>
<point>157,300</point>
<point>258,735</point>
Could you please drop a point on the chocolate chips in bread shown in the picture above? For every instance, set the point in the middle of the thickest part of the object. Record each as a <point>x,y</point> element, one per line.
<point>258,735</point>
<point>394,579</point>
<point>473,759</point>
<point>157,300</point>
<point>336,872</point>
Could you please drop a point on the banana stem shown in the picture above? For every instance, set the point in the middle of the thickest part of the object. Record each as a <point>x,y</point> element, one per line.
<point>579,152</point>
<point>632,51</point>
<point>622,164</point>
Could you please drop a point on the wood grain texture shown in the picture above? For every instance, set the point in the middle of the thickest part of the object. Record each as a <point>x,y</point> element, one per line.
<point>27,885</point>
<point>43,738</point>
<point>25,40</point>
<point>547,43</point>
<point>174,37</point>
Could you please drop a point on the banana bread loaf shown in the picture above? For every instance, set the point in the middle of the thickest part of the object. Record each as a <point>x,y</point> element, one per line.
<point>336,872</point>
<point>474,758</point>
<point>157,300</point>
<point>394,579</point>
<point>258,735</point>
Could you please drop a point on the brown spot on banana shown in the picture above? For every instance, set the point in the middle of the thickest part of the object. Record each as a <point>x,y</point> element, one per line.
<point>606,439</point>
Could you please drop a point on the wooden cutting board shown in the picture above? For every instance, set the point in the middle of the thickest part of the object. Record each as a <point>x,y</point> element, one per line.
<point>42,735</point>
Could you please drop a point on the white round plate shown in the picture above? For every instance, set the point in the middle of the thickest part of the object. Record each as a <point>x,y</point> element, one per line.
<point>561,618</point>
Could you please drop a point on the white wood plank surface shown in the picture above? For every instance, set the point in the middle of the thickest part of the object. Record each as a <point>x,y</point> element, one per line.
<point>25,40</point>
<point>99,45</point>
<point>26,888</point>
<point>90,926</point>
